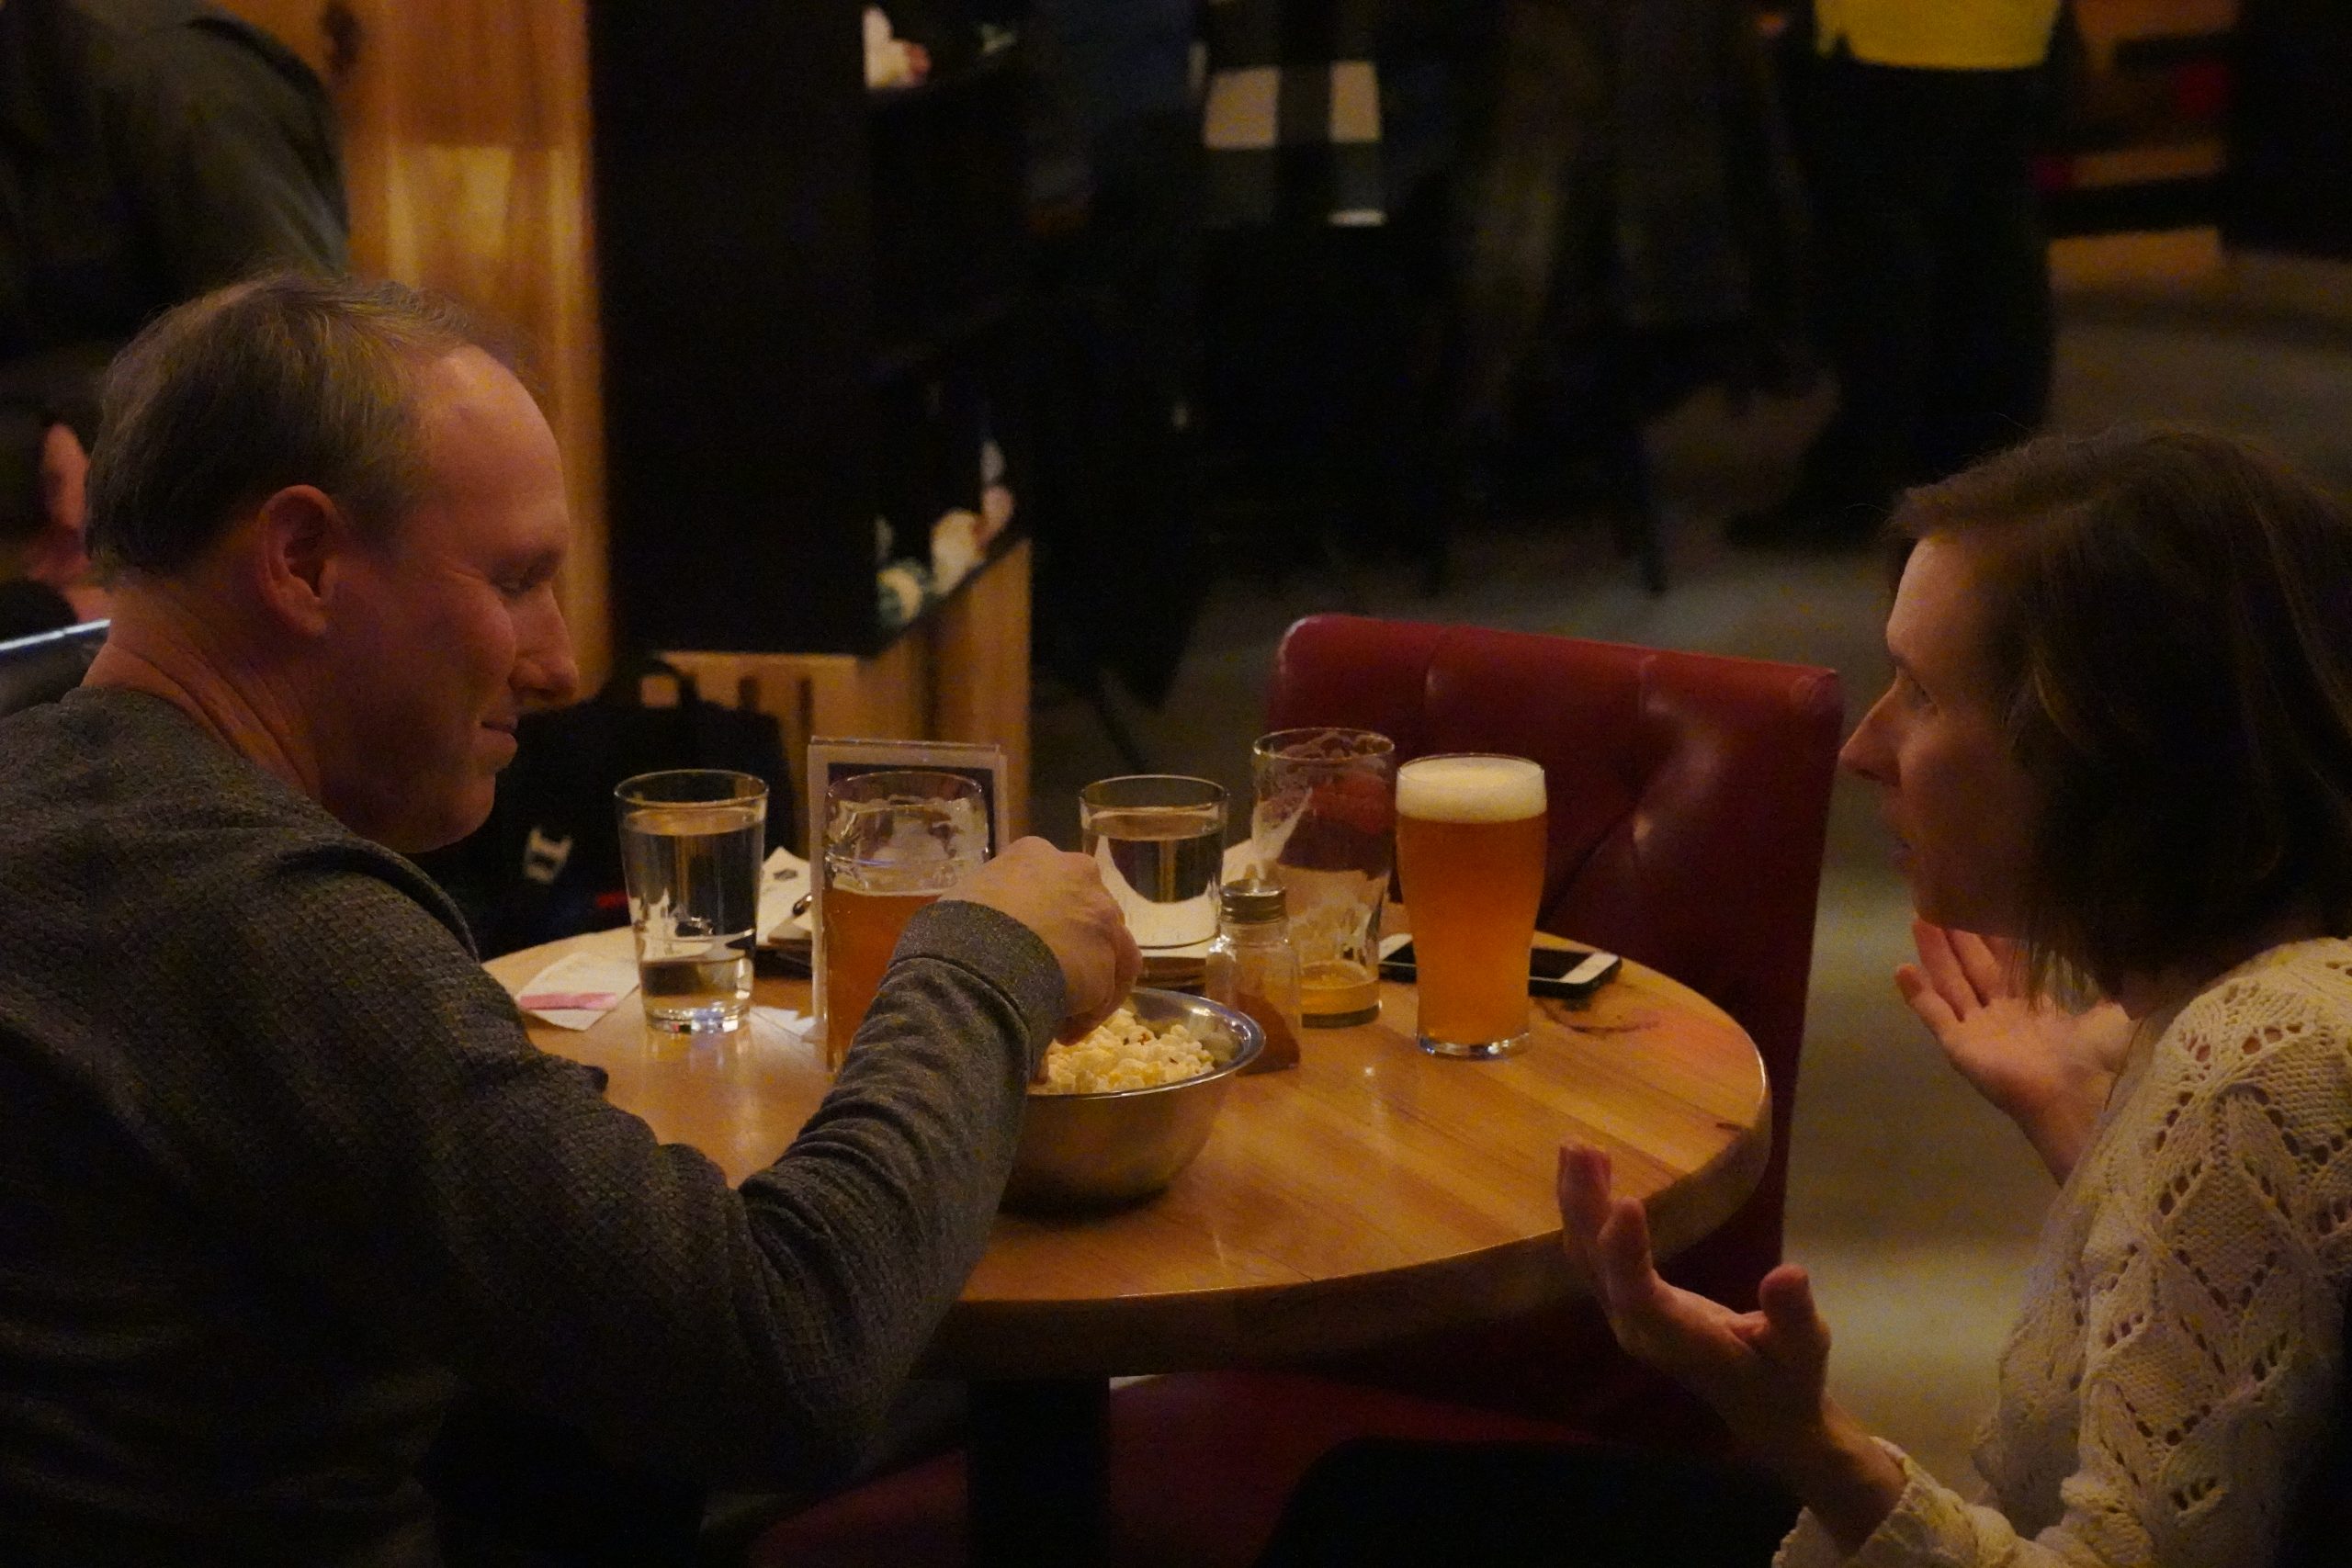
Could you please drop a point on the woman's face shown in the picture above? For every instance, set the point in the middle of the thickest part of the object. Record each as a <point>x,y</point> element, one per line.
<point>1961,808</point>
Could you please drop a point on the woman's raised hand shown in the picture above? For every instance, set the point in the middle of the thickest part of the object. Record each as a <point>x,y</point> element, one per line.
<point>1765,1372</point>
<point>2044,1067</point>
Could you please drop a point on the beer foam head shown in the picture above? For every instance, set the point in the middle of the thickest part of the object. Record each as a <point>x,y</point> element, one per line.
<point>1470,789</point>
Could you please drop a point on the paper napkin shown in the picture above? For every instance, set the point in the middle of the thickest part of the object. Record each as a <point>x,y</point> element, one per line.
<point>575,991</point>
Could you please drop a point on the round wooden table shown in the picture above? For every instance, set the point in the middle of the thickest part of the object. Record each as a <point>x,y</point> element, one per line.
<point>1374,1191</point>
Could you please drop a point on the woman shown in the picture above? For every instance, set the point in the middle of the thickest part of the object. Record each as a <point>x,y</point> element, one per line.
<point>2118,745</point>
<point>2117,759</point>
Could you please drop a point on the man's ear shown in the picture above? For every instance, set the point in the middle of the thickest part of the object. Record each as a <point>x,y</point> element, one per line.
<point>301,543</point>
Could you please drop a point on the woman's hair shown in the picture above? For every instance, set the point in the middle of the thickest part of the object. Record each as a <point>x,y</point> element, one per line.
<point>280,381</point>
<point>2169,621</point>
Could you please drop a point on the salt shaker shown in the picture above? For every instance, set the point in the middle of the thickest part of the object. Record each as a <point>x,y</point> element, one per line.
<point>1251,966</point>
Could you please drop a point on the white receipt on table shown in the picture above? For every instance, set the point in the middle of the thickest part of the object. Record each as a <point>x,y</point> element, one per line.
<point>791,1022</point>
<point>574,992</point>
<point>784,882</point>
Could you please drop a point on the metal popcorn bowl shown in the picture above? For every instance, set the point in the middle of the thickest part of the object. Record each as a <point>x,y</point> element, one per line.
<point>1097,1151</point>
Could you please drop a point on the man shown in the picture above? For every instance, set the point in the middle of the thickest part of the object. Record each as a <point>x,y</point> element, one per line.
<point>279,1172</point>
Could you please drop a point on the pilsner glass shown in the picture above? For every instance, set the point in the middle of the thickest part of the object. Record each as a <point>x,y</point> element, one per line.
<point>1323,827</point>
<point>894,843</point>
<point>1470,844</point>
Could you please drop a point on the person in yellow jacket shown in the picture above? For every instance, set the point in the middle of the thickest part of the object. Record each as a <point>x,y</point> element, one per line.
<point>1916,123</point>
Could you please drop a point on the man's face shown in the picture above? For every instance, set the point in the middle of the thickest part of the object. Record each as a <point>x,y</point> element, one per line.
<point>447,629</point>
<point>1961,808</point>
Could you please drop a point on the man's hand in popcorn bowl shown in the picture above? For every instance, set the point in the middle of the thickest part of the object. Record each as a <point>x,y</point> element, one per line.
<point>1060,896</point>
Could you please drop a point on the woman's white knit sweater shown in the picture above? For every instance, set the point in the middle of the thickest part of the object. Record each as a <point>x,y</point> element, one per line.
<point>2179,1350</point>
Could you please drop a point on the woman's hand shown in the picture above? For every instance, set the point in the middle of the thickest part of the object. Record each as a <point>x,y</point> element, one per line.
<point>2046,1068</point>
<point>1765,1372</point>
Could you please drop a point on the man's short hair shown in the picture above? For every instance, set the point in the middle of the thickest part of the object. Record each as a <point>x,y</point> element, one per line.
<point>2166,620</point>
<point>284,380</point>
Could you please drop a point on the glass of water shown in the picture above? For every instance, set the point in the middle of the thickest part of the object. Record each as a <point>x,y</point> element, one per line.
<point>691,843</point>
<point>1159,841</point>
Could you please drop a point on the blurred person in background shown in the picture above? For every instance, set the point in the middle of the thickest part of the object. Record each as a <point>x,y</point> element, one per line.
<point>1630,226</point>
<point>1330,130</point>
<point>1114,197</point>
<point>150,150</point>
<point>45,577</point>
<point>1916,125</point>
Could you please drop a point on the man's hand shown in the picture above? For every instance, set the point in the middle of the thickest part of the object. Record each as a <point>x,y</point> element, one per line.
<point>2047,1069</point>
<point>1061,897</point>
<point>1765,1372</point>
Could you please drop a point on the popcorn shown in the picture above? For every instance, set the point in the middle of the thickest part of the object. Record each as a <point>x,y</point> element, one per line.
<point>1121,1052</point>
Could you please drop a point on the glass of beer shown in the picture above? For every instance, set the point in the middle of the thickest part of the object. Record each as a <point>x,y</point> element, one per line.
<point>690,842</point>
<point>1470,848</point>
<point>894,843</point>
<point>1159,841</point>
<point>1323,826</point>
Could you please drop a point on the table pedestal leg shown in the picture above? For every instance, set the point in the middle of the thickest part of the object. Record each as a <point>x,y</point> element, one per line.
<point>1039,1472</point>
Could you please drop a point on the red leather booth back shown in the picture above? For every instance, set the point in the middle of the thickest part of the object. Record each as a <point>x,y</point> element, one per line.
<point>1688,803</point>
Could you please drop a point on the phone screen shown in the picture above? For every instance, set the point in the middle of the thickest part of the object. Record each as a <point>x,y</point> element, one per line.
<point>1551,962</point>
<point>1552,971</point>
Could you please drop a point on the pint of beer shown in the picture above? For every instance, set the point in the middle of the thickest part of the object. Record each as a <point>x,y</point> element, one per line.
<point>862,929</point>
<point>1470,852</point>
<point>893,842</point>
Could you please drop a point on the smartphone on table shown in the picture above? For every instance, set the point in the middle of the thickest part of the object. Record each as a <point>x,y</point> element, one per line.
<point>1574,973</point>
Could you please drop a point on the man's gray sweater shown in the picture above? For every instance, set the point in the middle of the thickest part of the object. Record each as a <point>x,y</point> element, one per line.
<point>279,1172</point>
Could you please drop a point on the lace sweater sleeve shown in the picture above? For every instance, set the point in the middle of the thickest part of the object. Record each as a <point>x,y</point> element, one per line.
<point>2179,1344</point>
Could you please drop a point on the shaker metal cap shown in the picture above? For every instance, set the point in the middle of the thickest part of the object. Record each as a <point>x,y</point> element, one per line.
<point>1247,903</point>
